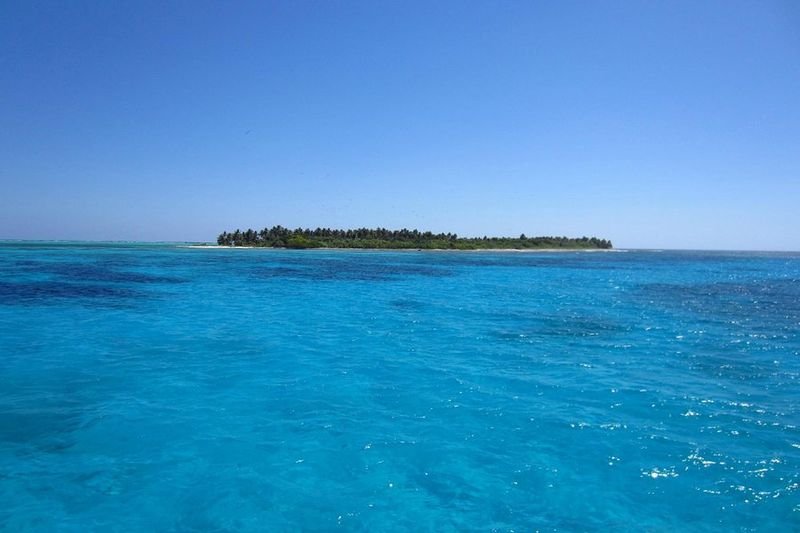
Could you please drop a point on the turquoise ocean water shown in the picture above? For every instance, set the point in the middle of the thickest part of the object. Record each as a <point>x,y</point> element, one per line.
<point>162,388</point>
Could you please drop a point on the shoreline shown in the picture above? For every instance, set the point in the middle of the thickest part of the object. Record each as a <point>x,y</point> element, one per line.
<point>488,250</point>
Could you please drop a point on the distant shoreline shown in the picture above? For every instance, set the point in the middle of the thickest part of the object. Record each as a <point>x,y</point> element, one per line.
<point>492,250</point>
<point>412,239</point>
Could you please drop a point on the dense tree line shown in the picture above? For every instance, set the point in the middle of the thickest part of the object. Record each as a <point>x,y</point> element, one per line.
<point>280,237</point>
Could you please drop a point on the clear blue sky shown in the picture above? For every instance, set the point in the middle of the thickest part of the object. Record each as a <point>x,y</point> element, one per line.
<point>654,124</point>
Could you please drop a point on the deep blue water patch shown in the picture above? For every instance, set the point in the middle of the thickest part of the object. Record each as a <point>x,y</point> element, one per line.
<point>162,388</point>
<point>48,292</point>
<point>357,267</point>
<point>103,273</point>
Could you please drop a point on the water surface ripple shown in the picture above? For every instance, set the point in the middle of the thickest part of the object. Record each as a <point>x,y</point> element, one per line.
<point>161,388</point>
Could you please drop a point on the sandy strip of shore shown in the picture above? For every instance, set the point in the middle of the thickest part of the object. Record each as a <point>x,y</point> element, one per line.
<point>492,250</point>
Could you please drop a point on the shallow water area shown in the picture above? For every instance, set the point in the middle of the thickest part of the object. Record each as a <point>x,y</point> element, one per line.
<point>160,387</point>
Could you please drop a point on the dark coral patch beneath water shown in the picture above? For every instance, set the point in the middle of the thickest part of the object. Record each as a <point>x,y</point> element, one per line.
<point>339,270</point>
<point>562,326</point>
<point>776,300</point>
<point>44,292</point>
<point>106,272</point>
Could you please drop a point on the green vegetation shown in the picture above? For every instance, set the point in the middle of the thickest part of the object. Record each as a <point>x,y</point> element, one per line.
<point>280,237</point>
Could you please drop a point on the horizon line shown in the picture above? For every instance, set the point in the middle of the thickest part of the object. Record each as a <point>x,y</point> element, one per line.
<point>167,242</point>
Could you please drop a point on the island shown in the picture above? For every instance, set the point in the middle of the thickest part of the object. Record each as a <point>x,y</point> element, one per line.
<point>379,238</point>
